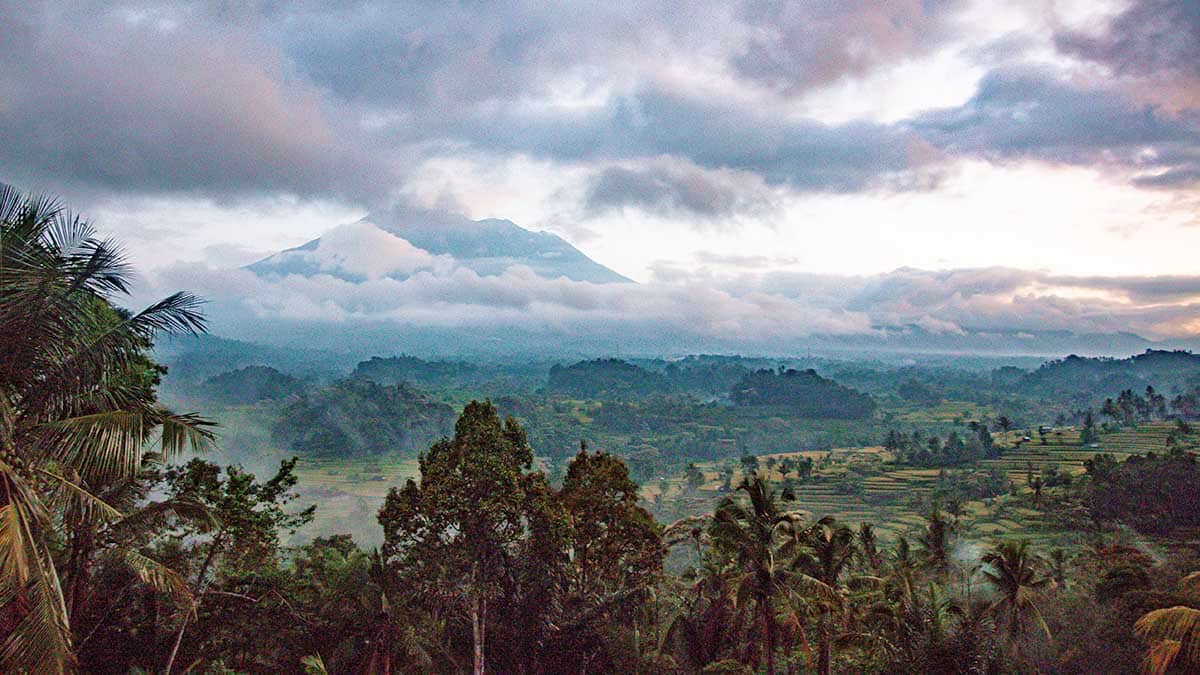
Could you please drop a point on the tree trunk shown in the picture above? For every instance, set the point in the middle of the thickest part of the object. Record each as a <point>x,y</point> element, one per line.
<point>478,632</point>
<point>823,646</point>
<point>770,646</point>
<point>178,641</point>
<point>78,569</point>
<point>212,553</point>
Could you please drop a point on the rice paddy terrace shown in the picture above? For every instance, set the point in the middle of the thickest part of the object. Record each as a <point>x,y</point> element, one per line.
<point>1061,448</point>
<point>862,485</point>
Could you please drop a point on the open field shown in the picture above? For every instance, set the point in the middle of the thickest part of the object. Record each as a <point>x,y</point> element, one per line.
<point>1063,450</point>
<point>363,478</point>
<point>348,494</point>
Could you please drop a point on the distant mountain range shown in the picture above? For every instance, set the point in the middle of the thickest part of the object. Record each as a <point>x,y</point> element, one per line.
<point>488,247</point>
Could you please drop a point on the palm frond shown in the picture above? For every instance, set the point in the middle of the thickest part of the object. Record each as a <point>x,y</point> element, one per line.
<point>37,638</point>
<point>1162,654</point>
<point>78,500</point>
<point>809,586</point>
<point>1191,583</point>
<point>23,519</point>
<point>180,432</point>
<point>1173,623</point>
<point>15,551</point>
<point>40,641</point>
<point>102,447</point>
<point>187,509</point>
<point>176,313</point>
<point>314,665</point>
<point>157,576</point>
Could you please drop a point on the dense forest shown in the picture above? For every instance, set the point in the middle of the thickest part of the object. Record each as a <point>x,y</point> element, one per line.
<point>606,378</point>
<point>706,516</point>
<point>250,385</point>
<point>357,417</point>
<point>805,392</point>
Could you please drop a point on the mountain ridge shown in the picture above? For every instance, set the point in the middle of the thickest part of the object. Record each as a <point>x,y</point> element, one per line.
<point>488,247</point>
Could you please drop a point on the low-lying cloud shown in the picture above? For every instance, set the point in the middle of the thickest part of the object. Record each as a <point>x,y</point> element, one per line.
<point>419,289</point>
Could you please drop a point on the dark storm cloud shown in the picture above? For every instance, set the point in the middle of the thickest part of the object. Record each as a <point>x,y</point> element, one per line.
<point>714,134</point>
<point>800,45</point>
<point>1142,289</point>
<point>1152,50</point>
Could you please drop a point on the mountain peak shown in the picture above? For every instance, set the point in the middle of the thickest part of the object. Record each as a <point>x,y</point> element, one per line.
<point>397,244</point>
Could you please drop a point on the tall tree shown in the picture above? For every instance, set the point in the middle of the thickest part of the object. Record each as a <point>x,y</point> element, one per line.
<point>615,547</point>
<point>827,557</point>
<point>77,407</point>
<point>615,543</point>
<point>249,515</point>
<point>454,533</point>
<point>745,535</point>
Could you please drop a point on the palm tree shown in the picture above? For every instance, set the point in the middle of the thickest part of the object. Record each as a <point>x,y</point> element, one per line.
<point>704,629</point>
<point>747,536</point>
<point>1015,572</point>
<point>935,541</point>
<point>925,635</point>
<point>829,552</point>
<point>77,409</point>
<point>1173,633</point>
<point>868,547</point>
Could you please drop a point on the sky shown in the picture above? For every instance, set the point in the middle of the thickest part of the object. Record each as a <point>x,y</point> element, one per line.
<point>839,165</point>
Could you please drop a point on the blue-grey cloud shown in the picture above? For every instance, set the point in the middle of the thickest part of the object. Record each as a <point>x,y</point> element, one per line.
<point>1028,115</point>
<point>747,308</point>
<point>804,155</point>
<point>339,99</point>
<point>801,45</point>
<point>672,188</point>
<point>1148,38</point>
<point>95,99</point>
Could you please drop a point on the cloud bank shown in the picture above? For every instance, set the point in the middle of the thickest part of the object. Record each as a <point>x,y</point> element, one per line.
<point>367,275</point>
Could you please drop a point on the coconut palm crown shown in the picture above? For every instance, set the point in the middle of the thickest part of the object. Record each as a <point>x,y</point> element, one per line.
<point>78,409</point>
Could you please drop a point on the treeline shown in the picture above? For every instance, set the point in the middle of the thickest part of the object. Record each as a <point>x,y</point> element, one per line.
<point>1154,494</point>
<point>1062,377</point>
<point>486,566</point>
<point>250,385</point>
<point>916,449</point>
<point>1130,408</point>
<point>412,370</point>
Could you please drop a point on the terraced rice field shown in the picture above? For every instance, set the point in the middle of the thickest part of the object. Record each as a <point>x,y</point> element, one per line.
<point>889,497</point>
<point>1064,451</point>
